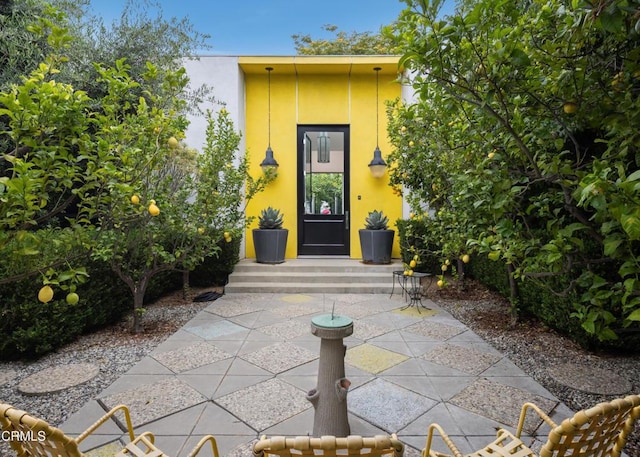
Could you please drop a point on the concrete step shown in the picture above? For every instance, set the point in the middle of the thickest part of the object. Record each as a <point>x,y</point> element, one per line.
<point>312,275</point>
<point>315,288</point>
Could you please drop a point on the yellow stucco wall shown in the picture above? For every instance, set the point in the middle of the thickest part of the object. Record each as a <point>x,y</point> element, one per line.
<point>320,90</point>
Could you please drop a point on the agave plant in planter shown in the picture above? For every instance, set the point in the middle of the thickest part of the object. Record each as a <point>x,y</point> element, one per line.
<point>270,239</point>
<point>376,240</point>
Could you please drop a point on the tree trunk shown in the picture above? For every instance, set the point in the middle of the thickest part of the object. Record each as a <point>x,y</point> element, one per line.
<point>138,305</point>
<point>513,294</point>
<point>185,284</point>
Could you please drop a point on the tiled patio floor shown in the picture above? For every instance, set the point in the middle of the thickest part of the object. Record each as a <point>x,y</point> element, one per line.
<point>242,367</point>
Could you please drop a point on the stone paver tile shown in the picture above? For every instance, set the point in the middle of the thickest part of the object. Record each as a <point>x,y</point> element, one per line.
<point>365,331</point>
<point>241,367</point>
<point>128,382</point>
<point>309,368</point>
<point>410,367</point>
<point>295,310</point>
<point>419,348</point>
<point>206,384</point>
<point>233,383</point>
<point>236,446</point>
<point>501,403</point>
<point>439,414</point>
<point>435,330</point>
<point>106,450</point>
<point>172,444</point>
<point>148,366</point>
<point>471,423</point>
<point>373,359</point>
<point>461,358</point>
<point>280,357</point>
<point>190,357</point>
<point>361,427</point>
<point>303,382</point>
<point>391,335</point>
<point>396,346</point>
<point>230,309</point>
<point>216,368</point>
<point>180,423</point>
<point>298,298</point>
<point>448,386</point>
<point>215,421</point>
<point>218,329</point>
<point>265,404</point>
<point>286,330</point>
<point>418,384</point>
<point>504,367</point>
<point>523,382</point>
<point>299,425</point>
<point>355,311</point>
<point>589,379</point>
<point>388,405</point>
<point>265,319</point>
<point>86,416</point>
<point>58,378</point>
<point>415,311</point>
<point>153,401</point>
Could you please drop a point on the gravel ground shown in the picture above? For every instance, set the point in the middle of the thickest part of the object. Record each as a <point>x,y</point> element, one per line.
<point>534,348</point>
<point>531,345</point>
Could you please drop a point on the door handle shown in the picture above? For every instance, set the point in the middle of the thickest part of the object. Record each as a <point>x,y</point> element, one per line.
<point>346,220</point>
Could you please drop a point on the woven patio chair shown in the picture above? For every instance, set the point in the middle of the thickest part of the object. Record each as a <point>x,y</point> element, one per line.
<point>33,437</point>
<point>600,431</point>
<point>328,446</point>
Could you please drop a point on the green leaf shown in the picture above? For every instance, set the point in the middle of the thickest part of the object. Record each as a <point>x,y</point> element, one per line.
<point>611,245</point>
<point>634,316</point>
<point>631,225</point>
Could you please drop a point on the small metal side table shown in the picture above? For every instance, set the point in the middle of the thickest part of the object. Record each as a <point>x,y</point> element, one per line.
<point>411,287</point>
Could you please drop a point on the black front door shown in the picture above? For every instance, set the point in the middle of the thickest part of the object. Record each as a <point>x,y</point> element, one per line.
<point>323,190</point>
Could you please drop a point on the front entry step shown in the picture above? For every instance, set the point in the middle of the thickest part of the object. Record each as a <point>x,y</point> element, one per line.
<point>312,275</point>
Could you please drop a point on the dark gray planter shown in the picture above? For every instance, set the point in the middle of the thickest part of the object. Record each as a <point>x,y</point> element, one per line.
<point>376,245</point>
<point>270,245</point>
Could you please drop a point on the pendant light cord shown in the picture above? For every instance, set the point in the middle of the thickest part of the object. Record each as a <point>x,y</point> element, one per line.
<point>377,70</point>
<point>269,103</point>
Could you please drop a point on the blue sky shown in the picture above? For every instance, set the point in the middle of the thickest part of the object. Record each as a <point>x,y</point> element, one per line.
<point>264,27</point>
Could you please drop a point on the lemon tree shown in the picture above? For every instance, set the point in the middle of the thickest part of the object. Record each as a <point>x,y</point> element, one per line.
<point>524,142</point>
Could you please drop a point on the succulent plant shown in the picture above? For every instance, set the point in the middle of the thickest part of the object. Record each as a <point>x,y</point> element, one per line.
<point>376,221</point>
<point>270,219</point>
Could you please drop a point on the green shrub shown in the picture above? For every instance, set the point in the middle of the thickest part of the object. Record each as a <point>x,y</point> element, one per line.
<point>215,270</point>
<point>31,329</point>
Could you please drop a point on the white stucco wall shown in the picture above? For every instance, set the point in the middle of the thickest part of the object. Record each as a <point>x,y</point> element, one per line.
<point>222,74</point>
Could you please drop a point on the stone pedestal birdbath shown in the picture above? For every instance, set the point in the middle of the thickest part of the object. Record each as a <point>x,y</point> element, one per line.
<point>329,398</point>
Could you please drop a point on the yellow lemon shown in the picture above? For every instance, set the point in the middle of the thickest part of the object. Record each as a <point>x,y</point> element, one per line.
<point>201,230</point>
<point>411,215</point>
<point>447,262</point>
<point>172,142</point>
<point>490,155</point>
<point>45,294</point>
<point>228,239</point>
<point>152,202</point>
<point>444,267</point>
<point>440,283</point>
<point>570,107</point>
<point>135,199</point>
<point>403,129</point>
<point>415,257</point>
<point>72,298</point>
<point>413,264</point>
<point>466,258</point>
<point>410,273</point>
<point>153,209</point>
<point>411,144</point>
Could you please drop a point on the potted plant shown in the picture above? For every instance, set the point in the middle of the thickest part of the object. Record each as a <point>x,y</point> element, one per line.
<point>376,240</point>
<point>270,239</point>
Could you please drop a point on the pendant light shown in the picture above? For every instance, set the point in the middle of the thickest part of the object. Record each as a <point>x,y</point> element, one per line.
<point>269,164</point>
<point>377,166</point>
<point>324,147</point>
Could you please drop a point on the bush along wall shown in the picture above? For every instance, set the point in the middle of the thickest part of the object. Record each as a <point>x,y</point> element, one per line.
<point>215,270</point>
<point>30,328</point>
<point>542,299</point>
<point>545,301</point>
